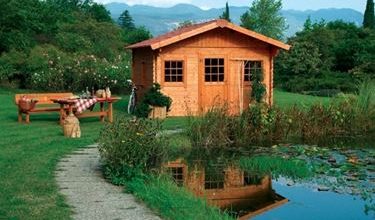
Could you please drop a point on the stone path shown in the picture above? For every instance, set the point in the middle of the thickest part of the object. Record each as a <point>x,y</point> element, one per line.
<point>91,197</point>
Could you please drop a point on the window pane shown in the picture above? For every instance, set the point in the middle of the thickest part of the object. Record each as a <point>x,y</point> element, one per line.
<point>214,62</point>
<point>247,65</point>
<point>207,78</point>
<point>221,70</point>
<point>167,64</point>
<point>221,62</point>
<point>221,78</point>
<point>252,64</point>
<point>214,70</point>
<point>179,64</point>
<point>207,70</point>
<point>258,64</point>
<point>174,72</point>
<point>179,79</point>
<point>214,78</point>
<point>207,62</point>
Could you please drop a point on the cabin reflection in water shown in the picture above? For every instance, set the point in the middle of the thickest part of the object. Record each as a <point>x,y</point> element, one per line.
<point>238,192</point>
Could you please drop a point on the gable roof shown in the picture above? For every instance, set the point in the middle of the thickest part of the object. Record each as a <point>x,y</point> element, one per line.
<point>195,29</point>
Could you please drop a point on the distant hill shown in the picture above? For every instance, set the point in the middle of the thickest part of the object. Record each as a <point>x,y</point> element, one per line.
<point>160,20</point>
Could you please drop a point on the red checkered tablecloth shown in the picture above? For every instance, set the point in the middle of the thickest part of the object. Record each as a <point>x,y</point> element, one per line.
<point>83,104</point>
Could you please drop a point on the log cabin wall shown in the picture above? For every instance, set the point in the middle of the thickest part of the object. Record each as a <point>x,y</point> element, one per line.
<point>194,94</point>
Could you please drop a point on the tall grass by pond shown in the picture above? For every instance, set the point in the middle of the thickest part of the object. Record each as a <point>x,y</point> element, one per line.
<point>172,202</point>
<point>260,124</point>
<point>275,166</point>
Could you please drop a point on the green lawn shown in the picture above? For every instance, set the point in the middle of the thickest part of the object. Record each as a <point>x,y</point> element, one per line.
<point>29,154</point>
<point>287,99</point>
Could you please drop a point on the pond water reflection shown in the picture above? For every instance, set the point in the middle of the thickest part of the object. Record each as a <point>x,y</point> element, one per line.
<point>341,184</point>
<point>238,192</point>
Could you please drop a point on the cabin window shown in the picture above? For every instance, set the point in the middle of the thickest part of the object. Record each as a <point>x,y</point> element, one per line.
<point>252,68</point>
<point>214,69</point>
<point>214,178</point>
<point>173,71</point>
<point>251,179</point>
<point>177,174</point>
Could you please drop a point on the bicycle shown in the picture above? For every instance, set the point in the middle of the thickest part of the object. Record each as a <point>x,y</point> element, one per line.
<point>133,98</point>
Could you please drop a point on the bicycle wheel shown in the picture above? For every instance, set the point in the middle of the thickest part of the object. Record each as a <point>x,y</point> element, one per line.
<point>131,105</point>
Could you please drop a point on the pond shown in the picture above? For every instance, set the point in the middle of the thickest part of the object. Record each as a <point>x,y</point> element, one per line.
<point>306,203</point>
<point>282,182</point>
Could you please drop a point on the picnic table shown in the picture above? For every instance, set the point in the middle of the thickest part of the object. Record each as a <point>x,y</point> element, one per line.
<point>69,103</point>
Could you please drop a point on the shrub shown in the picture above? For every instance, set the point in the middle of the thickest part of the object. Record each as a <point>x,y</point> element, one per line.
<point>49,68</point>
<point>12,67</point>
<point>153,97</point>
<point>128,147</point>
<point>54,70</point>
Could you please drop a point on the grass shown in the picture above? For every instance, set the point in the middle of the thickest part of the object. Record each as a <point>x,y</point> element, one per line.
<point>286,99</point>
<point>28,157</point>
<point>171,201</point>
<point>29,154</point>
<point>277,166</point>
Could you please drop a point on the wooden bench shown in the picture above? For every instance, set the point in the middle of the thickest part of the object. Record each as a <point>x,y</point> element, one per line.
<point>44,104</point>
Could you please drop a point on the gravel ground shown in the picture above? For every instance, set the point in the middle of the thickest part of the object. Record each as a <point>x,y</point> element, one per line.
<point>90,196</point>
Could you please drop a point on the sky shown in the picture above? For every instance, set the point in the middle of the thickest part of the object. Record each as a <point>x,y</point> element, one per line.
<point>358,5</point>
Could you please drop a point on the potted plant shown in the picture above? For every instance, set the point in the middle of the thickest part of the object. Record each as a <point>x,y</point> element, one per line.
<point>154,104</point>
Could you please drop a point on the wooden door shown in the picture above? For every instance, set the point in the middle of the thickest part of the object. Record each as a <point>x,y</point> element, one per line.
<point>213,78</point>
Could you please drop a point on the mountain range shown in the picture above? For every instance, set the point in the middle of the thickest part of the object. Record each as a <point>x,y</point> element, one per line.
<point>161,20</point>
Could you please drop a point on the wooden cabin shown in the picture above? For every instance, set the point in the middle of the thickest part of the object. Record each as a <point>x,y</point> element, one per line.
<point>204,65</point>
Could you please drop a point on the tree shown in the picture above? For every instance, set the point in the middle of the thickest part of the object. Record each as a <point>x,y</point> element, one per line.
<point>137,35</point>
<point>226,14</point>
<point>369,18</point>
<point>126,21</point>
<point>264,17</point>
<point>99,13</point>
<point>307,26</point>
<point>184,24</point>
